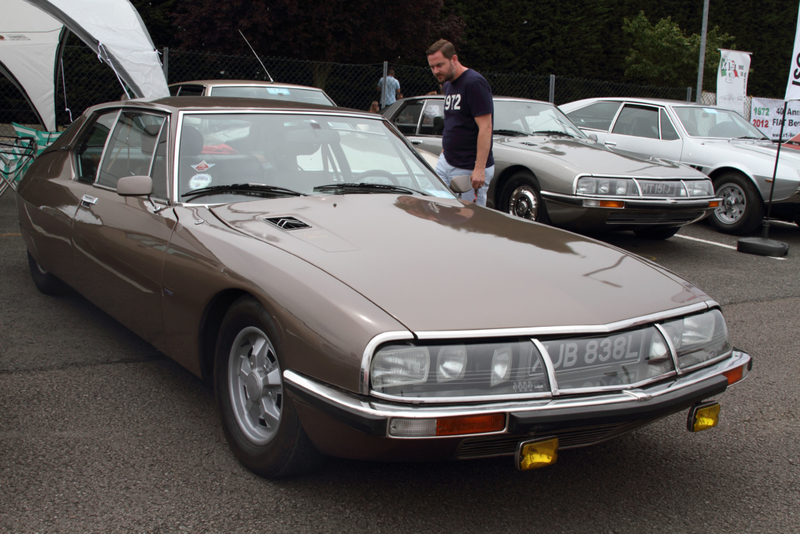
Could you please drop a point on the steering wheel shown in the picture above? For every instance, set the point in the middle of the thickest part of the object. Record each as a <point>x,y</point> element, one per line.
<point>379,173</point>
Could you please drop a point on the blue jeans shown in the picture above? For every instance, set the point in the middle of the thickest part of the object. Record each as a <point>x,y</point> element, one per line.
<point>446,172</point>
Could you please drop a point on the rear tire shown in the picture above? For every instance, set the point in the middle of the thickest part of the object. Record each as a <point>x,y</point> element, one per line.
<point>657,232</point>
<point>258,417</point>
<point>43,280</point>
<point>521,197</point>
<point>742,209</point>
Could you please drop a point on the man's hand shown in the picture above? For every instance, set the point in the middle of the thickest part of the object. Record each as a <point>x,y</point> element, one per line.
<point>478,178</point>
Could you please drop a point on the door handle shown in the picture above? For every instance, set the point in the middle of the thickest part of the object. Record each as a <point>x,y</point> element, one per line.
<point>610,143</point>
<point>88,201</point>
<point>416,142</point>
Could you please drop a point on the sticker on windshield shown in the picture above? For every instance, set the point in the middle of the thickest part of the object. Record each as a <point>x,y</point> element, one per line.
<point>278,91</point>
<point>202,166</point>
<point>199,180</point>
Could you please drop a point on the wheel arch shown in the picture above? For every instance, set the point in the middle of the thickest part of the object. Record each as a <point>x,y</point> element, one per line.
<point>500,181</point>
<point>716,173</point>
<point>210,323</point>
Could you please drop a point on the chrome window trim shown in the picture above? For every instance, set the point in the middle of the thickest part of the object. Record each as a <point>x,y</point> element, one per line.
<point>372,408</point>
<point>671,346</point>
<point>548,365</point>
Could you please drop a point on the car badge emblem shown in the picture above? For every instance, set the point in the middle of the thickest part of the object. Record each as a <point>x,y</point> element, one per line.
<point>202,166</point>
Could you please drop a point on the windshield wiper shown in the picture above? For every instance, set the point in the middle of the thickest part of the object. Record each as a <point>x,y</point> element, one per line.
<point>509,132</point>
<point>246,189</point>
<point>552,132</point>
<point>366,187</point>
<point>750,137</point>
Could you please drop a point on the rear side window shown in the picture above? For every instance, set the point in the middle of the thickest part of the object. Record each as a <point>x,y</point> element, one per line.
<point>638,121</point>
<point>597,116</point>
<point>90,149</point>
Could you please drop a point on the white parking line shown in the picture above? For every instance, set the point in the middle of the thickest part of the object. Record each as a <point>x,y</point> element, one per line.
<point>719,244</point>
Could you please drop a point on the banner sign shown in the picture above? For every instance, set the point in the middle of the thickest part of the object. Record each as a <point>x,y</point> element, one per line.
<point>793,86</point>
<point>766,115</point>
<point>734,69</point>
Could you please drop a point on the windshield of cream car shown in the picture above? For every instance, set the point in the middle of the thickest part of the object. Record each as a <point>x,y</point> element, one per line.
<point>532,117</point>
<point>716,122</point>
<point>298,154</point>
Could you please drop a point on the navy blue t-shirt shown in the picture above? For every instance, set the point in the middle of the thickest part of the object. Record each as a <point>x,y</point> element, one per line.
<point>467,97</point>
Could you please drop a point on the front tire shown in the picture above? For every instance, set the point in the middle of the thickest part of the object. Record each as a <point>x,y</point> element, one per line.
<point>522,197</point>
<point>742,209</point>
<point>259,419</point>
<point>44,281</point>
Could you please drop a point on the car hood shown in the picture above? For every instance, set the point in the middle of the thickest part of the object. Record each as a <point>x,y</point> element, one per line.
<point>443,265</point>
<point>590,158</point>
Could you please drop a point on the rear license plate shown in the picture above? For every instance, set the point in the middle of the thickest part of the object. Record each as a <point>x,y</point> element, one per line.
<point>594,352</point>
<point>661,189</point>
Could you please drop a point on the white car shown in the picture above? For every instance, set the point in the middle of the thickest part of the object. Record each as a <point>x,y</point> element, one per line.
<point>719,142</point>
<point>252,89</point>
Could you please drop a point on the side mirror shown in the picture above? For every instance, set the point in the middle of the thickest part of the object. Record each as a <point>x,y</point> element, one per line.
<point>592,136</point>
<point>461,183</point>
<point>134,186</point>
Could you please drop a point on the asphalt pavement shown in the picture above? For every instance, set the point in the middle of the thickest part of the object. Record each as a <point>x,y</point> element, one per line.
<point>99,432</point>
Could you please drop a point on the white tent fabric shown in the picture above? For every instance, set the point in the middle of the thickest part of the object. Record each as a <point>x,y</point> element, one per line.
<point>112,28</point>
<point>29,42</point>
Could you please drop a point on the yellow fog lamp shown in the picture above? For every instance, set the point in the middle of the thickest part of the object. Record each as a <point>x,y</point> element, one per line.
<point>703,416</point>
<point>536,454</point>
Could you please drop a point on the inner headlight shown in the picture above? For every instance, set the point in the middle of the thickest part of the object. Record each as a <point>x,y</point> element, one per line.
<point>700,188</point>
<point>507,367</point>
<point>699,338</point>
<point>606,186</point>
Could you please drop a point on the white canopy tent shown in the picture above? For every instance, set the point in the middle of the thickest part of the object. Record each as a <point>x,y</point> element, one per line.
<point>32,34</point>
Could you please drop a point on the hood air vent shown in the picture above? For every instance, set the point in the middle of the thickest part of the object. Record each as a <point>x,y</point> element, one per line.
<point>287,223</point>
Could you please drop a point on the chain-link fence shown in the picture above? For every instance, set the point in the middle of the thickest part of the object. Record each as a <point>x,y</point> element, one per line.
<point>86,81</point>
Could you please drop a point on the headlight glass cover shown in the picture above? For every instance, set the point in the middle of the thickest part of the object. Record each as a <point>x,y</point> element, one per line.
<point>624,187</point>
<point>473,369</point>
<point>517,367</point>
<point>700,188</point>
<point>699,338</point>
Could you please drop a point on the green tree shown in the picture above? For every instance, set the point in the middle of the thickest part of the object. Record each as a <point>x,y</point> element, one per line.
<point>662,55</point>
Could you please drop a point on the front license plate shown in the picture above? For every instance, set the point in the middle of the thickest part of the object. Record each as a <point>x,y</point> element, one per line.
<point>661,189</point>
<point>594,352</point>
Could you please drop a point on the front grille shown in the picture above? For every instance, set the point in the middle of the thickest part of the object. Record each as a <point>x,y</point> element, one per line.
<point>506,445</point>
<point>623,217</point>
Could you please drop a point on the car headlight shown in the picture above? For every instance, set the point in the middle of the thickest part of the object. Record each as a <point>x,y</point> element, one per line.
<point>508,367</point>
<point>607,186</point>
<point>699,338</point>
<point>700,188</point>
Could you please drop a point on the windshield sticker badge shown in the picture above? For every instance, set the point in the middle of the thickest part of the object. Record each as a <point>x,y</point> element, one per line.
<point>199,180</point>
<point>202,166</point>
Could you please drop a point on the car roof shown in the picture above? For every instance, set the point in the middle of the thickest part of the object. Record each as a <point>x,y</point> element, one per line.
<point>657,101</point>
<point>239,83</point>
<point>174,104</point>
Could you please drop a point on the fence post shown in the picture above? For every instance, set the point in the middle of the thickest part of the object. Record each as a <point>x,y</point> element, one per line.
<point>552,88</point>
<point>688,94</point>
<point>382,97</point>
<point>165,63</point>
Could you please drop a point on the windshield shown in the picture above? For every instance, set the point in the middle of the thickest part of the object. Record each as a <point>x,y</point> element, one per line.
<point>716,122</point>
<point>296,153</point>
<point>532,117</point>
<point>289,94</point>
